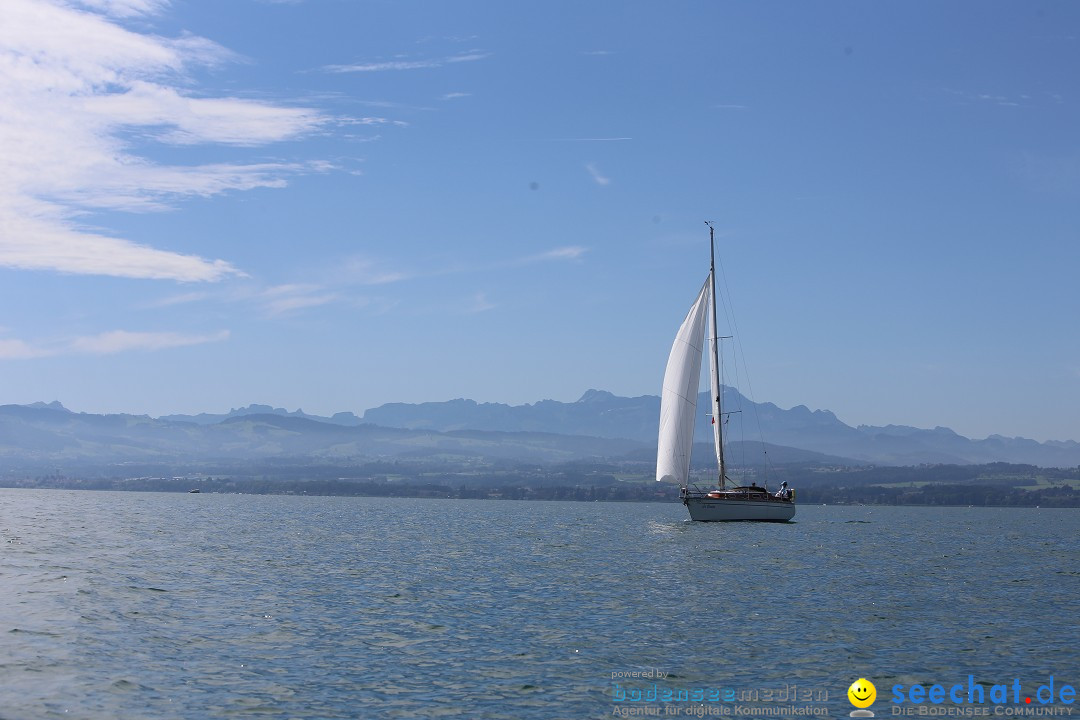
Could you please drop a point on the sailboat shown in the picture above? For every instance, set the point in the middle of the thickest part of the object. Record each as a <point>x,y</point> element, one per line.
<point>678,415</point>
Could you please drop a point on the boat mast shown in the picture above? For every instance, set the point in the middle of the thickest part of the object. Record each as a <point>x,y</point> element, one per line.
<point>718,416</point>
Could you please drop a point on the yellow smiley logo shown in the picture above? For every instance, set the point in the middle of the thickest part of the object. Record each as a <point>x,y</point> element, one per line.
<point>862,693</point>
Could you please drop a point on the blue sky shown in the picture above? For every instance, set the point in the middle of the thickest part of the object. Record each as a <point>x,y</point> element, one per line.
<point>330,205</point>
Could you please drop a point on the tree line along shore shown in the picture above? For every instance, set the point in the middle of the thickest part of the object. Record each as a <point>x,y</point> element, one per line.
<point>998,484</point>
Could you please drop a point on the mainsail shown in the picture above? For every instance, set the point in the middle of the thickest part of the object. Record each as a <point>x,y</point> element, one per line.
<point>678,402</point>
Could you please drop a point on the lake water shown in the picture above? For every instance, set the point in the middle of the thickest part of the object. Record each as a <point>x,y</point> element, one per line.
<point>146,605</point>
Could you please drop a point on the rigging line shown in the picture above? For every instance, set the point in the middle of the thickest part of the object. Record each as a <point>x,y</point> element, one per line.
<point>729,316</point>
<point>729,309</point>
<point>738,403</point>
<point>727,418</point>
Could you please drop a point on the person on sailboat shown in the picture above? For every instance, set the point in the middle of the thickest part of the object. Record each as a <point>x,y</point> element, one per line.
<point>782,492</point>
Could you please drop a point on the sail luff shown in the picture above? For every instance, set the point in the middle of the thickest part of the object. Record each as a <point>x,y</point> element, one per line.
<point>678,400</point>
<point>714,387</point>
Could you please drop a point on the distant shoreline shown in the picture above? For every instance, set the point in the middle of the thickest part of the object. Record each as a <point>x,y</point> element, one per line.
<point>925,496</point>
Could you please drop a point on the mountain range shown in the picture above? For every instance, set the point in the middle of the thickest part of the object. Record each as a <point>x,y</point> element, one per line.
<point>603,414</point>
<point>598,425</point>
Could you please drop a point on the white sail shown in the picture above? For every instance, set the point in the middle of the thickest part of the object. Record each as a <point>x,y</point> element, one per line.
<point>714,386</point>
<point>678,402</point>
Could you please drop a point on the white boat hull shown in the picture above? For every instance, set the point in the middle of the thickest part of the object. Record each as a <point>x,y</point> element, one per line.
<point>727,510</point>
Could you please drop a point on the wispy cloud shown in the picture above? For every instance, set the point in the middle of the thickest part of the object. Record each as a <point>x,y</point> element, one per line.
<point>271,301</point>
<point>126,8</point>
<point>348,283</point>
<point>49,242</point>
<point>106,343</point>
<point>588,139</point>
<point>180,299</point>
<point>997,100</point>
<point>462,305</point>
<point>596,175</point>
<point>456,95</point>
<point>571,252</point>
<point>405,64</point>
<point>118,341</point>
<point>188,120</point>
<point>19,350</point>
<point>289,299</point>
<point>969,97</point>
<point>75,87</point>
<point>375,121</point>
<point>467,57</point>
<point>365,271</point>
<point>480,304</point>
<point>147,187</point>
<point>383,66</point>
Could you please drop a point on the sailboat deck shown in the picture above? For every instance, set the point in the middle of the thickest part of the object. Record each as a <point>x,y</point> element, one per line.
<point>743,494</point>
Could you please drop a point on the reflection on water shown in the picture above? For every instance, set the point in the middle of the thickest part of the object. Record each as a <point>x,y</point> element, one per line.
<point>207,606</point>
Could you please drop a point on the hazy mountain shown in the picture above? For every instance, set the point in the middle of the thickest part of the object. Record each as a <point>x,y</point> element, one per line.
<point>597,413</point>
<point>43,434</point>
<point>603,414</point>
<point>342,418</point>
<point>598,425</point>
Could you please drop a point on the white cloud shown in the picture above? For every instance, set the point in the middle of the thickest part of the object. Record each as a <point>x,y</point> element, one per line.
<point>142,186</point>
<point>480,304</point>
<point>74,85</point>
<point>32,243</point>
<point>360,270</point>
<point>339,285</point>
<point>188,120</point>
<point>993,98</point>
<point>19,350</point>
<point>375,121</point>
<point>407,64</point>
<point>467,57</point>
<point>381,66</point>
<point>117,341</point>
<point>571,252</point>
<point>597,177</point>
<point>363,271</point>
<point>287,299</point>
<point>126,8</point>
<point>181,299</point>
<point>107,343</point>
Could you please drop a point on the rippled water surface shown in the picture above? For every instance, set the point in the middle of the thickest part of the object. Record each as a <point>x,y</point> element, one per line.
<point>145,605</point>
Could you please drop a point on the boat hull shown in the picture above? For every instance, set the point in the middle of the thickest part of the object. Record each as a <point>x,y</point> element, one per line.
<point>732,510</point>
